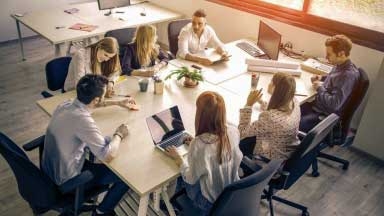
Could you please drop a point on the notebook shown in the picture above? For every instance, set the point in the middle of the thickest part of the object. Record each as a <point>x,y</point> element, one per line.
<point>167,129</point>
<point>212,55</point>
<point>83,27</point>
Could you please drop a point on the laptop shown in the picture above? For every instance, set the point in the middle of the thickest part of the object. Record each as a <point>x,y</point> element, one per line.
<point>167,129</point>
<point>268,43</point>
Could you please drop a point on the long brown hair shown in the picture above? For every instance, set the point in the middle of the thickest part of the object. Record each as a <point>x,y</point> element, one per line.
<point>211,118</point>
<point>107,68</point>
<point>146,44</point>
<point>282,96</point>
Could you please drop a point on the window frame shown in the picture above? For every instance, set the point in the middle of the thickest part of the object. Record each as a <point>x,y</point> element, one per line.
<point>359,35</point>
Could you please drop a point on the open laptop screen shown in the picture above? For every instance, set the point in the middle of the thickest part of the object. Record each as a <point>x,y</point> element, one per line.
<point>269,41</point>
<point>109,4</point>
<point>165,124</point>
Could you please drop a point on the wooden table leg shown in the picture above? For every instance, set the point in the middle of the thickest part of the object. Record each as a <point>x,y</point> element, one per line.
<point>143,205</point>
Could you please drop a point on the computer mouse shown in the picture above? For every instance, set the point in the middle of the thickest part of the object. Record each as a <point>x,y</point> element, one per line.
<point>143,14</point>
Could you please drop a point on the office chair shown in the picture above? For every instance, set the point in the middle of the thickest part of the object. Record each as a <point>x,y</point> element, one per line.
<point>123,36</point>
<point>174,28</point>
<point>297,164</point>
<point>41,193</point>
<point>241,198</point>
<point>346,115</point>
<point>56,72</point>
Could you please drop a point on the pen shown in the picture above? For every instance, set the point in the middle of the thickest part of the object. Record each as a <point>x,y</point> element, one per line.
<point>196,67</point>
<point>304,95</point>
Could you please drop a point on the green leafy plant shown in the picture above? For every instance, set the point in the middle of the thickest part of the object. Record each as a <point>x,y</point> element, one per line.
<point>194,75</point>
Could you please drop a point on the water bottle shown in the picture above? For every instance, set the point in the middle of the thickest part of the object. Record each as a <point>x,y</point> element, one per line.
<point>254,80</point>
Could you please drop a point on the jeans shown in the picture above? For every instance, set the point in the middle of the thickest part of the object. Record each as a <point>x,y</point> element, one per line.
<point>104,176</point>
<point>309,117</point>
<point>194,193</point>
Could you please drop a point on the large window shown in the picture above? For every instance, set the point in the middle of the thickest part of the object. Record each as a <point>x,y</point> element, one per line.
<point>361,20</point>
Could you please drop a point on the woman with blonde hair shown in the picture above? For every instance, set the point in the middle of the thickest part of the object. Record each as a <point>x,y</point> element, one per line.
<point>143,57</point>
<point>100,58</point>
<point>214,156</point>
<point>278,124</point>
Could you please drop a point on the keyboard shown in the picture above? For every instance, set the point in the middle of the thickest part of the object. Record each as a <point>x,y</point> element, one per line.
<point>248,48</point>
<point>174,141</point>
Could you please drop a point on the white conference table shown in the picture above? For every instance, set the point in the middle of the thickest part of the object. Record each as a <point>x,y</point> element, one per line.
<point>44,22</point>
<point>144,168</point>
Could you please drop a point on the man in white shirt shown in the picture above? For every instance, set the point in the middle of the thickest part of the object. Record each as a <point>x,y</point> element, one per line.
<point>195,37</point>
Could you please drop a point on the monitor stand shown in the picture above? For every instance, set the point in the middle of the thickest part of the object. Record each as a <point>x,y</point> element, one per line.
<point>108,13</point>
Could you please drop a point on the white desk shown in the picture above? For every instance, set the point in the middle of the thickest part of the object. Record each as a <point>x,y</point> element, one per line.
<point>44,22</point>
<point>144,168</point>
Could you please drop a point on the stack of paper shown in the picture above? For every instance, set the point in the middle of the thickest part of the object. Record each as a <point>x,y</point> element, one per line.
<point>272,66</point>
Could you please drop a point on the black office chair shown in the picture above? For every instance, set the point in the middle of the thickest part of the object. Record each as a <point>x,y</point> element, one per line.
<point>174,28</point>
<point>346,115</point>
<point>56,72</point>
<point>297,164</point>
<point>241,198</point>
<point>41,193</point>
<point>123,37</point>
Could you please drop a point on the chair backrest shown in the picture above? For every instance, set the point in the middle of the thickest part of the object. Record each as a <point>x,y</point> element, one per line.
<point>34,186</point>
<point>174,28</point>
<point>242,198</point>
<point>56,72</point>
<point>353,102</point>
<point>123,36</point>
<point>299,162</point>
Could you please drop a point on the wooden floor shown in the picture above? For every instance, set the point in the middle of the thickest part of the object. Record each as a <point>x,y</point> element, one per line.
<point>358,191</point>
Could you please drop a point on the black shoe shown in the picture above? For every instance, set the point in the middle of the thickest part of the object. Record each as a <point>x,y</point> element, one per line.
<point>112,213</point>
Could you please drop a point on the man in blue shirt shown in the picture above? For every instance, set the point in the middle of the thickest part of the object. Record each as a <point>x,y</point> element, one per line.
<point>334,89</point>
<point>71,131</point>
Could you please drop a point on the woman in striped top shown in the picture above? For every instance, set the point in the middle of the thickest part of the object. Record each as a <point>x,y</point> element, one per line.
<point>278,124</point>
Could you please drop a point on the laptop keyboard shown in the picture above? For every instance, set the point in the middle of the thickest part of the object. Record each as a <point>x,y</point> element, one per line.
<point>175,141</point>
<point>251,50</point>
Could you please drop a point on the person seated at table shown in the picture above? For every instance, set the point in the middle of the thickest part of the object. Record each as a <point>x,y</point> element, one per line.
<point>277,127</point>
<point>334,89</point>
<point>71,131</point>
<point>99,58</point>
<point>214,156</point>
<point>143,56</point>
<point>195,37</point>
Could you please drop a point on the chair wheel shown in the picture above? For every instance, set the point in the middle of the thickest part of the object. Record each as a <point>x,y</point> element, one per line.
<point>305,213</point>
<point>345,166</point>
<point>315,174</point>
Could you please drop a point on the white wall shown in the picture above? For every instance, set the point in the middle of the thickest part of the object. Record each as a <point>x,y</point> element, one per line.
<point>370,135</point>
<point>231,24</point>
<point>8,7</point>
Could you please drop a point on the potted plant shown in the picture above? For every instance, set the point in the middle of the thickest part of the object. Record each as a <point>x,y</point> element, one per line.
<point>191,77</point>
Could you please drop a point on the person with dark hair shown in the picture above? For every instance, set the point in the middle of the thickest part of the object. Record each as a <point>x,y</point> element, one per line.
<point>277,128</point>
<point>333,89</point>
<point>72,131</point>
<point>214,156</point>
<point>195,37</point>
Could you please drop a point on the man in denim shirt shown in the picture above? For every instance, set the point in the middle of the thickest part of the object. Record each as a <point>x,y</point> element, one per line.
<point>337,86</point>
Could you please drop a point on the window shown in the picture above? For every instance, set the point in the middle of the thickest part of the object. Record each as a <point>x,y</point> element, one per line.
<point>361,20</point>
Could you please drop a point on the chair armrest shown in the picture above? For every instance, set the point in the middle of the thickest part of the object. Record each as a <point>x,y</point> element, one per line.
<point>249,166</point>
<point>34,143</point>
<point>301,134</point>
<point>76,181</point>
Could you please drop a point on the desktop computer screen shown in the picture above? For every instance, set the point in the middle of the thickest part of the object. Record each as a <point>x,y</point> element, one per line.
<point>269,41</point>
<point>110,4</point>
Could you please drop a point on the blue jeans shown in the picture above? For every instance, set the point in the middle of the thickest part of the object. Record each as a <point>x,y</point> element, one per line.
<point>309,117</point>
<point>194,193</point>
<point>104,176</point>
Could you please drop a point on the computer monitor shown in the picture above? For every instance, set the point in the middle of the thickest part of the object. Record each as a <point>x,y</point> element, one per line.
<point>269,41</point>
<point>110,4</point>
